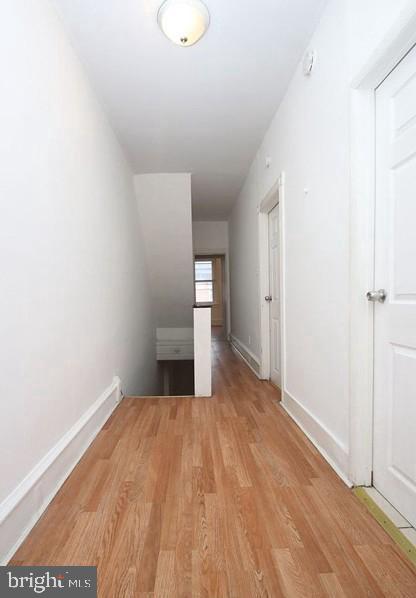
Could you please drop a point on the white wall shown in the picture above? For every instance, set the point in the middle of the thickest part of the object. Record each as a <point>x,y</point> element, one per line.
<point>369,23</point>
<point>202,352</point>
<point>210,236</point>
<point>244,268</point>
<point>75,309</point>
<point>308,139</point>
<point>164,204</point>
<point>174,343</point>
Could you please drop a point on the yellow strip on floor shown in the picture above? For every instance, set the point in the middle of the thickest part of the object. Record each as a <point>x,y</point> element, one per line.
<point>386,523</point>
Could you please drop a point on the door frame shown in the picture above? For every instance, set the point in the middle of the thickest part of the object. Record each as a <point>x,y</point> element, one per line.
<point>222,253</point>
<point>395,46</point>
<point>274,197</point>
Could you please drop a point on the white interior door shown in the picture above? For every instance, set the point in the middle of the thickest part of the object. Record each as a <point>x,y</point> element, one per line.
<point>395,271</point>
<point>274,278</point>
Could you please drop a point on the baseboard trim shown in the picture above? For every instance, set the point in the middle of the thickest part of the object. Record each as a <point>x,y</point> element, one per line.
<point>329,447</point>
<point>246,355</point>
<point>20,511</point>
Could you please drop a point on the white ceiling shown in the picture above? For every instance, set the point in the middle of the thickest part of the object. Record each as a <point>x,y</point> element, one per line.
<point>202,109</point>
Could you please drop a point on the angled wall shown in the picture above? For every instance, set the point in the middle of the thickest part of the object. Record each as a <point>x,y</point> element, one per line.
<point>164,205</point>
<point>75,307</point>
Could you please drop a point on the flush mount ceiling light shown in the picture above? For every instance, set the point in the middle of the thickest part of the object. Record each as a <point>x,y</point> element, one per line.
<point>184,22</point>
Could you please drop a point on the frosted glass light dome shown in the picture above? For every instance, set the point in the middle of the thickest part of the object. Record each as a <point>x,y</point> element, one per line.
<point>184,22</point>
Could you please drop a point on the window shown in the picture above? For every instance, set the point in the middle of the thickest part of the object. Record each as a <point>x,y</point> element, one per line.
<point>204,282</point>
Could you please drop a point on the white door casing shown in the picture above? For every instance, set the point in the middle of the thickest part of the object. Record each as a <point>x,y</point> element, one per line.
<point>274,304</point>
<point>274,197</point>
<point>394,456</point>
<point>399,39</point>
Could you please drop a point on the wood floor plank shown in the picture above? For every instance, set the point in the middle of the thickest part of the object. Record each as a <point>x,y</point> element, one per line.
<point>293,576</point>
<point>222,497</point>
<point>165,585</point>
<point>331,585</point>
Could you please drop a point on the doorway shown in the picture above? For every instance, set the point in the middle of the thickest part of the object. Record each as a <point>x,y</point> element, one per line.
<point>210,290</point>
<point>271,284</point>
<point>376,230</point>
<point>394,293</point>
<point>273,298</point>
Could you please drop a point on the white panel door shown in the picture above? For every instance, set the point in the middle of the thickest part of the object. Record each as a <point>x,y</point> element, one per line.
<point>395,271</point>
<point>274,278</point>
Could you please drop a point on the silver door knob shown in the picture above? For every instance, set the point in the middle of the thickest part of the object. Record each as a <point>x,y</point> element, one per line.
<point>268,298</point>
<point>375,296</point>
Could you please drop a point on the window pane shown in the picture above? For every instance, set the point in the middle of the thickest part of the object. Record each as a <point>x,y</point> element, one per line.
<point>203,270</point>
<point>203,292</point>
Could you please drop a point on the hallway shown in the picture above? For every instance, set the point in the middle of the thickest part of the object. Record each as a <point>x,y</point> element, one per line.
<point>215,497</point>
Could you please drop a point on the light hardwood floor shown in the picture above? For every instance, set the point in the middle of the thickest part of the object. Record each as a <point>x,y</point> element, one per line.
<point>212,498</point>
